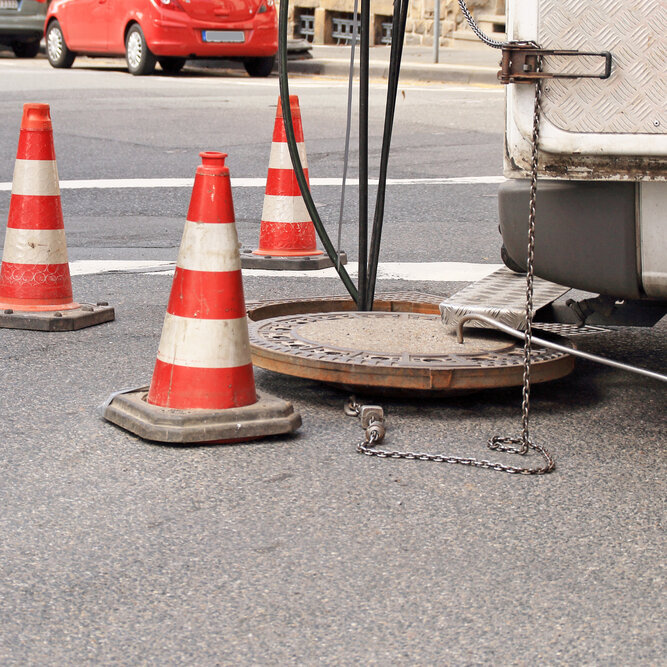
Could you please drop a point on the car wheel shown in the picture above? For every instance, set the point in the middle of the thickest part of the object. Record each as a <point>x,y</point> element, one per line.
<point>509,262</point>
<point>259,66</point>
<point>56,49</point>
<point>171,65</point>
<point>26,49</point>
<point>140,59</point>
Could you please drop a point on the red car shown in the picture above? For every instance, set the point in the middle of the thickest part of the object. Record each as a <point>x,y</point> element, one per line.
<point>164,31</point>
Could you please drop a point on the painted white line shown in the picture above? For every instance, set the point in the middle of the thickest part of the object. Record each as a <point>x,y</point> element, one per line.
<point>91,267</point>
<point>124,183</point>
<point>411,271</point>
<point>438,271</point>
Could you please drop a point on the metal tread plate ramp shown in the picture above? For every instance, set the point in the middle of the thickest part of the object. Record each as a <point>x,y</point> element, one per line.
<point>501,296</point>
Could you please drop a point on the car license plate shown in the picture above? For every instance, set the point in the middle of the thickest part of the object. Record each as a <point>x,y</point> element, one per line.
<point>9,4</point>
<point>231,36</point>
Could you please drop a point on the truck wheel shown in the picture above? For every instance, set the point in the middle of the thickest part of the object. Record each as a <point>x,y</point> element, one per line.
<point>259,66</point>
<point>56,49</point>
<point>140,59</point>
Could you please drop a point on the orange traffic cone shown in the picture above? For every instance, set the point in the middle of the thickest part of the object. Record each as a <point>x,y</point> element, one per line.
<point>203,387</point>
<point>287,237</point>
<point>35,283</point>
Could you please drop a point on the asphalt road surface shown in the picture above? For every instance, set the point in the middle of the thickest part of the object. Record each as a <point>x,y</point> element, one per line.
<point>298,550</point>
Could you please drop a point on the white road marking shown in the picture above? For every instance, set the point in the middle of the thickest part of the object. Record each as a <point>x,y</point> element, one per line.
<point>91,267</point>
<point>411,271</point>
<point>124,183</point>
<point>302,80</point>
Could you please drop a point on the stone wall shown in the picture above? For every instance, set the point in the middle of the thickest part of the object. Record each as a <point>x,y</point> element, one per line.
<point>419,27</point>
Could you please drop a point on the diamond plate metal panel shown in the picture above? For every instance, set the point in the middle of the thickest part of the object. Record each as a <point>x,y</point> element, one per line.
<point>501,296</point>
<point>632,100</point>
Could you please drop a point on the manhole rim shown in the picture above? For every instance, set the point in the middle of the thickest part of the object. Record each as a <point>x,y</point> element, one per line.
<point>432,379</point>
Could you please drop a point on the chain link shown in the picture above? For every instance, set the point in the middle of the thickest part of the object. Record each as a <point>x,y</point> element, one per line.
<point>374,433</point>
<point>476,29</point>
<point>374,430</point>
<point>524,441</point>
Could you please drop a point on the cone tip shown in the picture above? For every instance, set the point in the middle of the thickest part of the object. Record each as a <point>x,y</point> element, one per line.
<point>36,117</point>
<point>212,158</point>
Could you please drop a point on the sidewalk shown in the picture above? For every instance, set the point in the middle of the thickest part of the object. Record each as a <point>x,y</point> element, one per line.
<point>456,65</point>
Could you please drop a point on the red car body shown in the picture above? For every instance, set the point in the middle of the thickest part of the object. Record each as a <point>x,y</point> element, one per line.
<point>172,28</point>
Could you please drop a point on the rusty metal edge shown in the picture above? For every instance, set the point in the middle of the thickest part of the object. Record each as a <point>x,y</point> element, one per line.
<point>395,302</point>
<point>428,380</point>
<point>423,379</point>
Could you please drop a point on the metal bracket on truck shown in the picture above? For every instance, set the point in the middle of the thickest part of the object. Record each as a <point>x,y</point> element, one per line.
<point>520,63</point>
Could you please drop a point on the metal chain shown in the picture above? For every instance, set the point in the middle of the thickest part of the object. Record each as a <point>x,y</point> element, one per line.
<point>372,417</point>
<point>374,431</point>
<point>476,29</point>
<point>524,441</point>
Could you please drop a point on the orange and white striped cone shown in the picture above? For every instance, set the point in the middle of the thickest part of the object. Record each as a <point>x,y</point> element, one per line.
<point>203,360</point>
<point>35,283</point>
<point>203,386</point>
<point>287,238</point>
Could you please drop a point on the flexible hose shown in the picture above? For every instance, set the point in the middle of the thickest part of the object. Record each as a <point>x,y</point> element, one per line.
<point>397,36</point>
<point>348,125</point>
<point>364,44</point>
<point>363,296</point>
<point>296,160</point>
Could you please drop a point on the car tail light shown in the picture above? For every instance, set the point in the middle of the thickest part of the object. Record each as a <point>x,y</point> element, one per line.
<point>170,4</point>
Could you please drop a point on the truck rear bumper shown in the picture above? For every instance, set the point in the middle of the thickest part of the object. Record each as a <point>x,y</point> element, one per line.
<point>586,233</point>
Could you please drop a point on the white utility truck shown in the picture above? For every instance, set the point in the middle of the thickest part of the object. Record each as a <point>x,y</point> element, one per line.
<point>601,220</point>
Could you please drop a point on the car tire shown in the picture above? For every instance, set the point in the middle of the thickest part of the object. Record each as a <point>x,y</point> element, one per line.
<point>140,59</point>
<point>171,65</point>
<point>259,66</point>
<point>26,49</point>
<point>56,48</point>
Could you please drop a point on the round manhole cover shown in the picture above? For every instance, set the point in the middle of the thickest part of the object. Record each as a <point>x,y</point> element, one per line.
<point>395,352</point>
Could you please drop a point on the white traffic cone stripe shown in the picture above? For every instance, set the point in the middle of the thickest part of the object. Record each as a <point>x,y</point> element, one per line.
<point>281,208</point>
<point>209,247</point>
<point>280,157</point>
<point>204,343</point>
<point>35,177</point>
<point>35,246</point>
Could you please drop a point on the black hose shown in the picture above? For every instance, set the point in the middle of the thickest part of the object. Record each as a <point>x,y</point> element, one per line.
<point>397,37</point>
<point>296,160</point>
<point>364,44</point>
<point>364,295</point>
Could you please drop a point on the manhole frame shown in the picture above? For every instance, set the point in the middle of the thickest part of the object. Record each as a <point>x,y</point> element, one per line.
<point>346,369</point>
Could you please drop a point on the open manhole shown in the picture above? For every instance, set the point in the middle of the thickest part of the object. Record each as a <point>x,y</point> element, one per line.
<point>401,347</point>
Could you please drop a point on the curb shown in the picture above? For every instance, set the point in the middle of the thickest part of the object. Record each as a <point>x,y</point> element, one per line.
<point>466,74</point>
